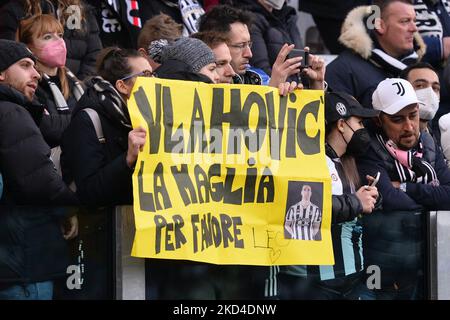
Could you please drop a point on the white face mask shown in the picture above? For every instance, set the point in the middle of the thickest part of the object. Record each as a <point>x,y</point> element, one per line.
<point>276,4</point>
<point>428,103</point>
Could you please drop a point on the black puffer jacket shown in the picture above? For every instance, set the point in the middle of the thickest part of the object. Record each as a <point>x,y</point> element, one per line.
<point>82,45</point>
<point>100,171</point>
<point>269,32</point>
<point>355,71</point>
<point>56,121</point>
<point>345,206</point>
<point>394,237</point>
<point>31,244</point>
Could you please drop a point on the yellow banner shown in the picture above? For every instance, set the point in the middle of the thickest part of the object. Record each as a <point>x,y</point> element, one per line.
<point>230,174</point>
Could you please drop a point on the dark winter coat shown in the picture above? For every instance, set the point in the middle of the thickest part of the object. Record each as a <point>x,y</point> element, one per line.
<point>394,237</point>
<point>31,244</point>
<point>55,122</point>
<point>352,74</point>
<point>353,71</point>
<point>345,206</point>
<point>418,196</point>
<point>100,171</point>
<point>269,32</point>
<point>82,45</point>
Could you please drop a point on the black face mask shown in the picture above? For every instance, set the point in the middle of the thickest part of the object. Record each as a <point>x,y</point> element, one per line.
<point>359,143</point>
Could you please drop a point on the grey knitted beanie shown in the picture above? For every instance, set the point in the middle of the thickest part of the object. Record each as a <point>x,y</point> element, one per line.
<point>193,52</point>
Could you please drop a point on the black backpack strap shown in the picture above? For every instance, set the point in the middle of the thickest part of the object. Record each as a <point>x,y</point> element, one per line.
<point>93,115</point>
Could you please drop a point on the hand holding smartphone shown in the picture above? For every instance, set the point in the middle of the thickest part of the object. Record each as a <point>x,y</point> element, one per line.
<point>375,181</point>
<point>300,53</point>
<point>304,64</point>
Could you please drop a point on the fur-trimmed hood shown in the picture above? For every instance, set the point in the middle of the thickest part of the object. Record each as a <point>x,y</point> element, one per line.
<point>355,36</point>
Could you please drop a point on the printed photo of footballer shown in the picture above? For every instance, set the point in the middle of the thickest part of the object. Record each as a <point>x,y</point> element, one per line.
<point>303,211</point>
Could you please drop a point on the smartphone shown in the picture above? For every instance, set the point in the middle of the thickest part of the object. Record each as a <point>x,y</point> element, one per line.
<point>377,177</point>
<point>300,53</point>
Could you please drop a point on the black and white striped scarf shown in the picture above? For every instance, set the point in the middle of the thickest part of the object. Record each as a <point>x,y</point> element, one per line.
<point>412,167</point>
<point>110,102</point>
<point>390,64</point>
<point>58,98</point>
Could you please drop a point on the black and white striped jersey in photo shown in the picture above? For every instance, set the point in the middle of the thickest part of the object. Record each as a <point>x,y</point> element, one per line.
<point>346,238</point>
<point>300,220</point>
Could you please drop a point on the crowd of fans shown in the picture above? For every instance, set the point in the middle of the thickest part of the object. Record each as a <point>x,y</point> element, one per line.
<point>67,69</point>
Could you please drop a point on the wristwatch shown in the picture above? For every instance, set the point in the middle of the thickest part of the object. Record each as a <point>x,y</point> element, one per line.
<point>403,186</point>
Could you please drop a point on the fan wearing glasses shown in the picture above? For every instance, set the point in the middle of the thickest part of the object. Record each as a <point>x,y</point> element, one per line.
<point>235,25</point>
<point>102,169</point>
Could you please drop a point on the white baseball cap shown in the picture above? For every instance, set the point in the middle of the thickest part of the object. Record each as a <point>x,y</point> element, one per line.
<point>392,95</point>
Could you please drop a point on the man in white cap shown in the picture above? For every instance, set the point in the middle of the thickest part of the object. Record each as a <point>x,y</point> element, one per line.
<point>413,179</point>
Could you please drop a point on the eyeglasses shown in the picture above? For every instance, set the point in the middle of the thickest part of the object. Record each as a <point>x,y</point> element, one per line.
<point>242,46</point>
<point>145,73</point>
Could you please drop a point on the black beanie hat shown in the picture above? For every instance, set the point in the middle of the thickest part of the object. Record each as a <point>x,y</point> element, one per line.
<point>11,52</point>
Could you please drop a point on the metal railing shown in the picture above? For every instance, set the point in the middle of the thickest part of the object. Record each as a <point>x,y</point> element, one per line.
<point>439,255</point>
<point>129,272</point>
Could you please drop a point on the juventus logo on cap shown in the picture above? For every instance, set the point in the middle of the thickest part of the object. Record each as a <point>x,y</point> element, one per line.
<point>400,88</point>
<point>341,109</point>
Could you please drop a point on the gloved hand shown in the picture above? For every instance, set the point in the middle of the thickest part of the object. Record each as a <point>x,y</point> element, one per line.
<point>419,167</point>
<point>424,172</point>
